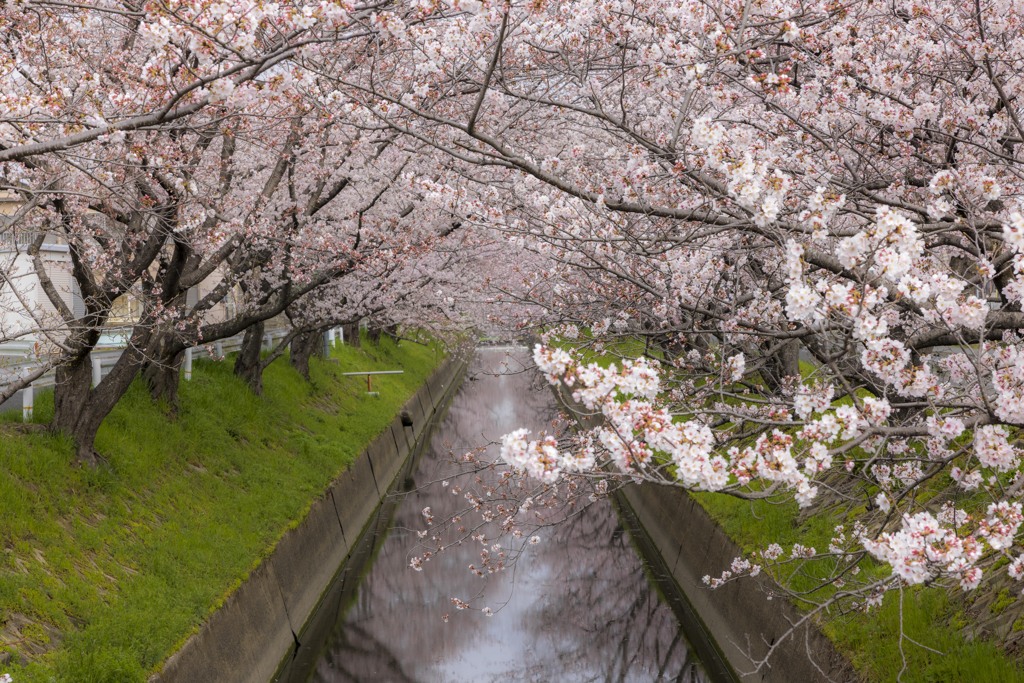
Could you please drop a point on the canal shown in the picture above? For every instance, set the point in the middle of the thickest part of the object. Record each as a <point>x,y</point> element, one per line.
<point>578,605</point>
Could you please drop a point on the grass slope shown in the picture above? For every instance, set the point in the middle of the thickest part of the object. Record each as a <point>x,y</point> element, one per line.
<point>871,640</point>
<point>105,572</point>
<point>934,649</point>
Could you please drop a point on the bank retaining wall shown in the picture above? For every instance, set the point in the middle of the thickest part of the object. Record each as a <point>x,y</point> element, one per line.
<point>246,639</point>
<point>740,620</point>
<point>744,618</point>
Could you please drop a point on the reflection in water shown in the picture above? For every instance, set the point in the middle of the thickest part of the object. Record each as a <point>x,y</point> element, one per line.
<point>575,607</point>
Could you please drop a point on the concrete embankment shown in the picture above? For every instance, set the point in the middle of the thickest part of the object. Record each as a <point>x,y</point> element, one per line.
<point>744,618</point>
<point>739,623</point>
<point>257,626</point>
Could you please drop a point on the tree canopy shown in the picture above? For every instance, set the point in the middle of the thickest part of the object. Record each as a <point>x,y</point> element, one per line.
<point>807,213</point>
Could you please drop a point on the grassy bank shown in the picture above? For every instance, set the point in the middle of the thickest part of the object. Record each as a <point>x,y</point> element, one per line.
<point>930,616</point>
<point>105,572</point>
<point>937,645</point>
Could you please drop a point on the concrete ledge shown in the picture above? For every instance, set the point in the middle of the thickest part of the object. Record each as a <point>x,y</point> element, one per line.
<point>245,640</point>
<point>415,411</point>
<point>387,457</point>
<point>422,397</point>
<point>739,616</point>
<point>384,459</point>
<point>401,435</point>
<point>355,496</point>
<point>439,382</point>
<point>225,649</point>
<point>309,555</point>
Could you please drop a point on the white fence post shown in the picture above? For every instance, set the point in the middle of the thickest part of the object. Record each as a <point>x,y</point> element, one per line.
<point>328,345</point>
<point>188,364</point>
<point>97,370</point>
<point>218,348</point>
<point>27,403</point>
<point>341,334</point>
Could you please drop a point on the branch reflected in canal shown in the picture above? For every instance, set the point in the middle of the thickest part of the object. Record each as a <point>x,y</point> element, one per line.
<point>575,606</point>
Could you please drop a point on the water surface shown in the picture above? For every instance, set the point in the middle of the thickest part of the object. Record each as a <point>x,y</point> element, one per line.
<point>577,606</point>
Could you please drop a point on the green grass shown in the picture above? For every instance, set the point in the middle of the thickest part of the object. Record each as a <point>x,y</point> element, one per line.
<point>929,618</point>
<point>105,572</point>
<point>609,350</point>
<point>871,640</point>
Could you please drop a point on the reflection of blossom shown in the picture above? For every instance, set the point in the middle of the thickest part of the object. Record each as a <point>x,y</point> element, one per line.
<point>583,583</point>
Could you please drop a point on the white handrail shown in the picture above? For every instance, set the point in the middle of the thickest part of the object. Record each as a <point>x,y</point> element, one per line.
<point>104,359</point>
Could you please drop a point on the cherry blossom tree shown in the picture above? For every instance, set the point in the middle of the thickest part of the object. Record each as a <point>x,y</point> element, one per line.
<point>108,110</point>
<point>808,210</point>
<point>199,152</point>
<point>808,213</point>
<point>74,74</point>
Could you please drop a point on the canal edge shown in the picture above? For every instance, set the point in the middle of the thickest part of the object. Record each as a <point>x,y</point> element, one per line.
<point>259,624</point>
<point>738,621</point>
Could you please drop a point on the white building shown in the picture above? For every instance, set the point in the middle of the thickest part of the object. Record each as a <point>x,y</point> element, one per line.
<point>26,312</point>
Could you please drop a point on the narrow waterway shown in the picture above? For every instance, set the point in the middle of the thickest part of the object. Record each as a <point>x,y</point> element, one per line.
<point>577,606</point>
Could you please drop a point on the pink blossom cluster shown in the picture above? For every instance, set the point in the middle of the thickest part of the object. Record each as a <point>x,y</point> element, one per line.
<point>994,450</point>
<point>925,548</point>
<point>540,458</point>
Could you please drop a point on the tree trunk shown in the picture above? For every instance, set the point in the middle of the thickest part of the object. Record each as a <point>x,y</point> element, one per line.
<point>785,362</point>
<point>670,345</point>
<point>162,370</point>
<point>163,377</point>
<point>302,348</point>
<point>351,334</point>
<point>248,365</point>
<point>71,392</point>
<point>79,411</point>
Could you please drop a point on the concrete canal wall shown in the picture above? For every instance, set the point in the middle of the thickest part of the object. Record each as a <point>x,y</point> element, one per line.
<point>257,626</point>
<point>738,620</point>
<point>739,616</point>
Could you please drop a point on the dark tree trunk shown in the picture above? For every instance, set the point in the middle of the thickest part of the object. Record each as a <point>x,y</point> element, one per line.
<point>302,348</point>
<point>163,371</point>
<point>163,377</point>
<point>785,362</point>
<point>671,346</point>
<point>78,410</point>
<point>374,335</point>
<point>71,392</point>
<point>320,347</point>
<point>248,365</point>
<point>351,334</point>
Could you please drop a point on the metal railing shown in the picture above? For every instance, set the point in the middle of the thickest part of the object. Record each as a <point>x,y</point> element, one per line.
<point>104,359</point>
